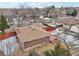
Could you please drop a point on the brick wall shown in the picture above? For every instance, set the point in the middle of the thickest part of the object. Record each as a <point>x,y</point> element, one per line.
<point>36,42</point>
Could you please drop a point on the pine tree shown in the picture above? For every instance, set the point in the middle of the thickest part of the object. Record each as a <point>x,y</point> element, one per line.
<point>3,23</point>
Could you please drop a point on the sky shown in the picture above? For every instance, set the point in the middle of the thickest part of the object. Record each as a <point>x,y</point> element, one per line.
<point>38,4</point>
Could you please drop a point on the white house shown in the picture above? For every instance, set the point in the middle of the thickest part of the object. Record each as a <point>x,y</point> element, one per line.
<point>8,43</point>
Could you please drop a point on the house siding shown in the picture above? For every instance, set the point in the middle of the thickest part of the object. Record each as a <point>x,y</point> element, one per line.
<point>8,43</point>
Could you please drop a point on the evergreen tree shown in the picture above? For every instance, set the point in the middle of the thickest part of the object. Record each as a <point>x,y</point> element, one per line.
<point>3,23</point>
<point>72,12</point>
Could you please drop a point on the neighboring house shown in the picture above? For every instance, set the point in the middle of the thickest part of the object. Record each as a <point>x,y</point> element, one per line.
<point>14,20</point>
<point>31,37</point>
<point>8,43</point>
<point>71,24</point>
<point>39,25</point>
<point>11,20</point>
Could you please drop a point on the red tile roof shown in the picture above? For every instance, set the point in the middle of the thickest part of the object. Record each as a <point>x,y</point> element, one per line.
<point>50,28</point>
<point>7,35</point>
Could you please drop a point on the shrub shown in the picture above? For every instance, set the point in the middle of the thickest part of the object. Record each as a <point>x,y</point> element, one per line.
<point>57,52</point>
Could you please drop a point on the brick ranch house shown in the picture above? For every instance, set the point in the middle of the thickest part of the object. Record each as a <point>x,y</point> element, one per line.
<point>30,37</point>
